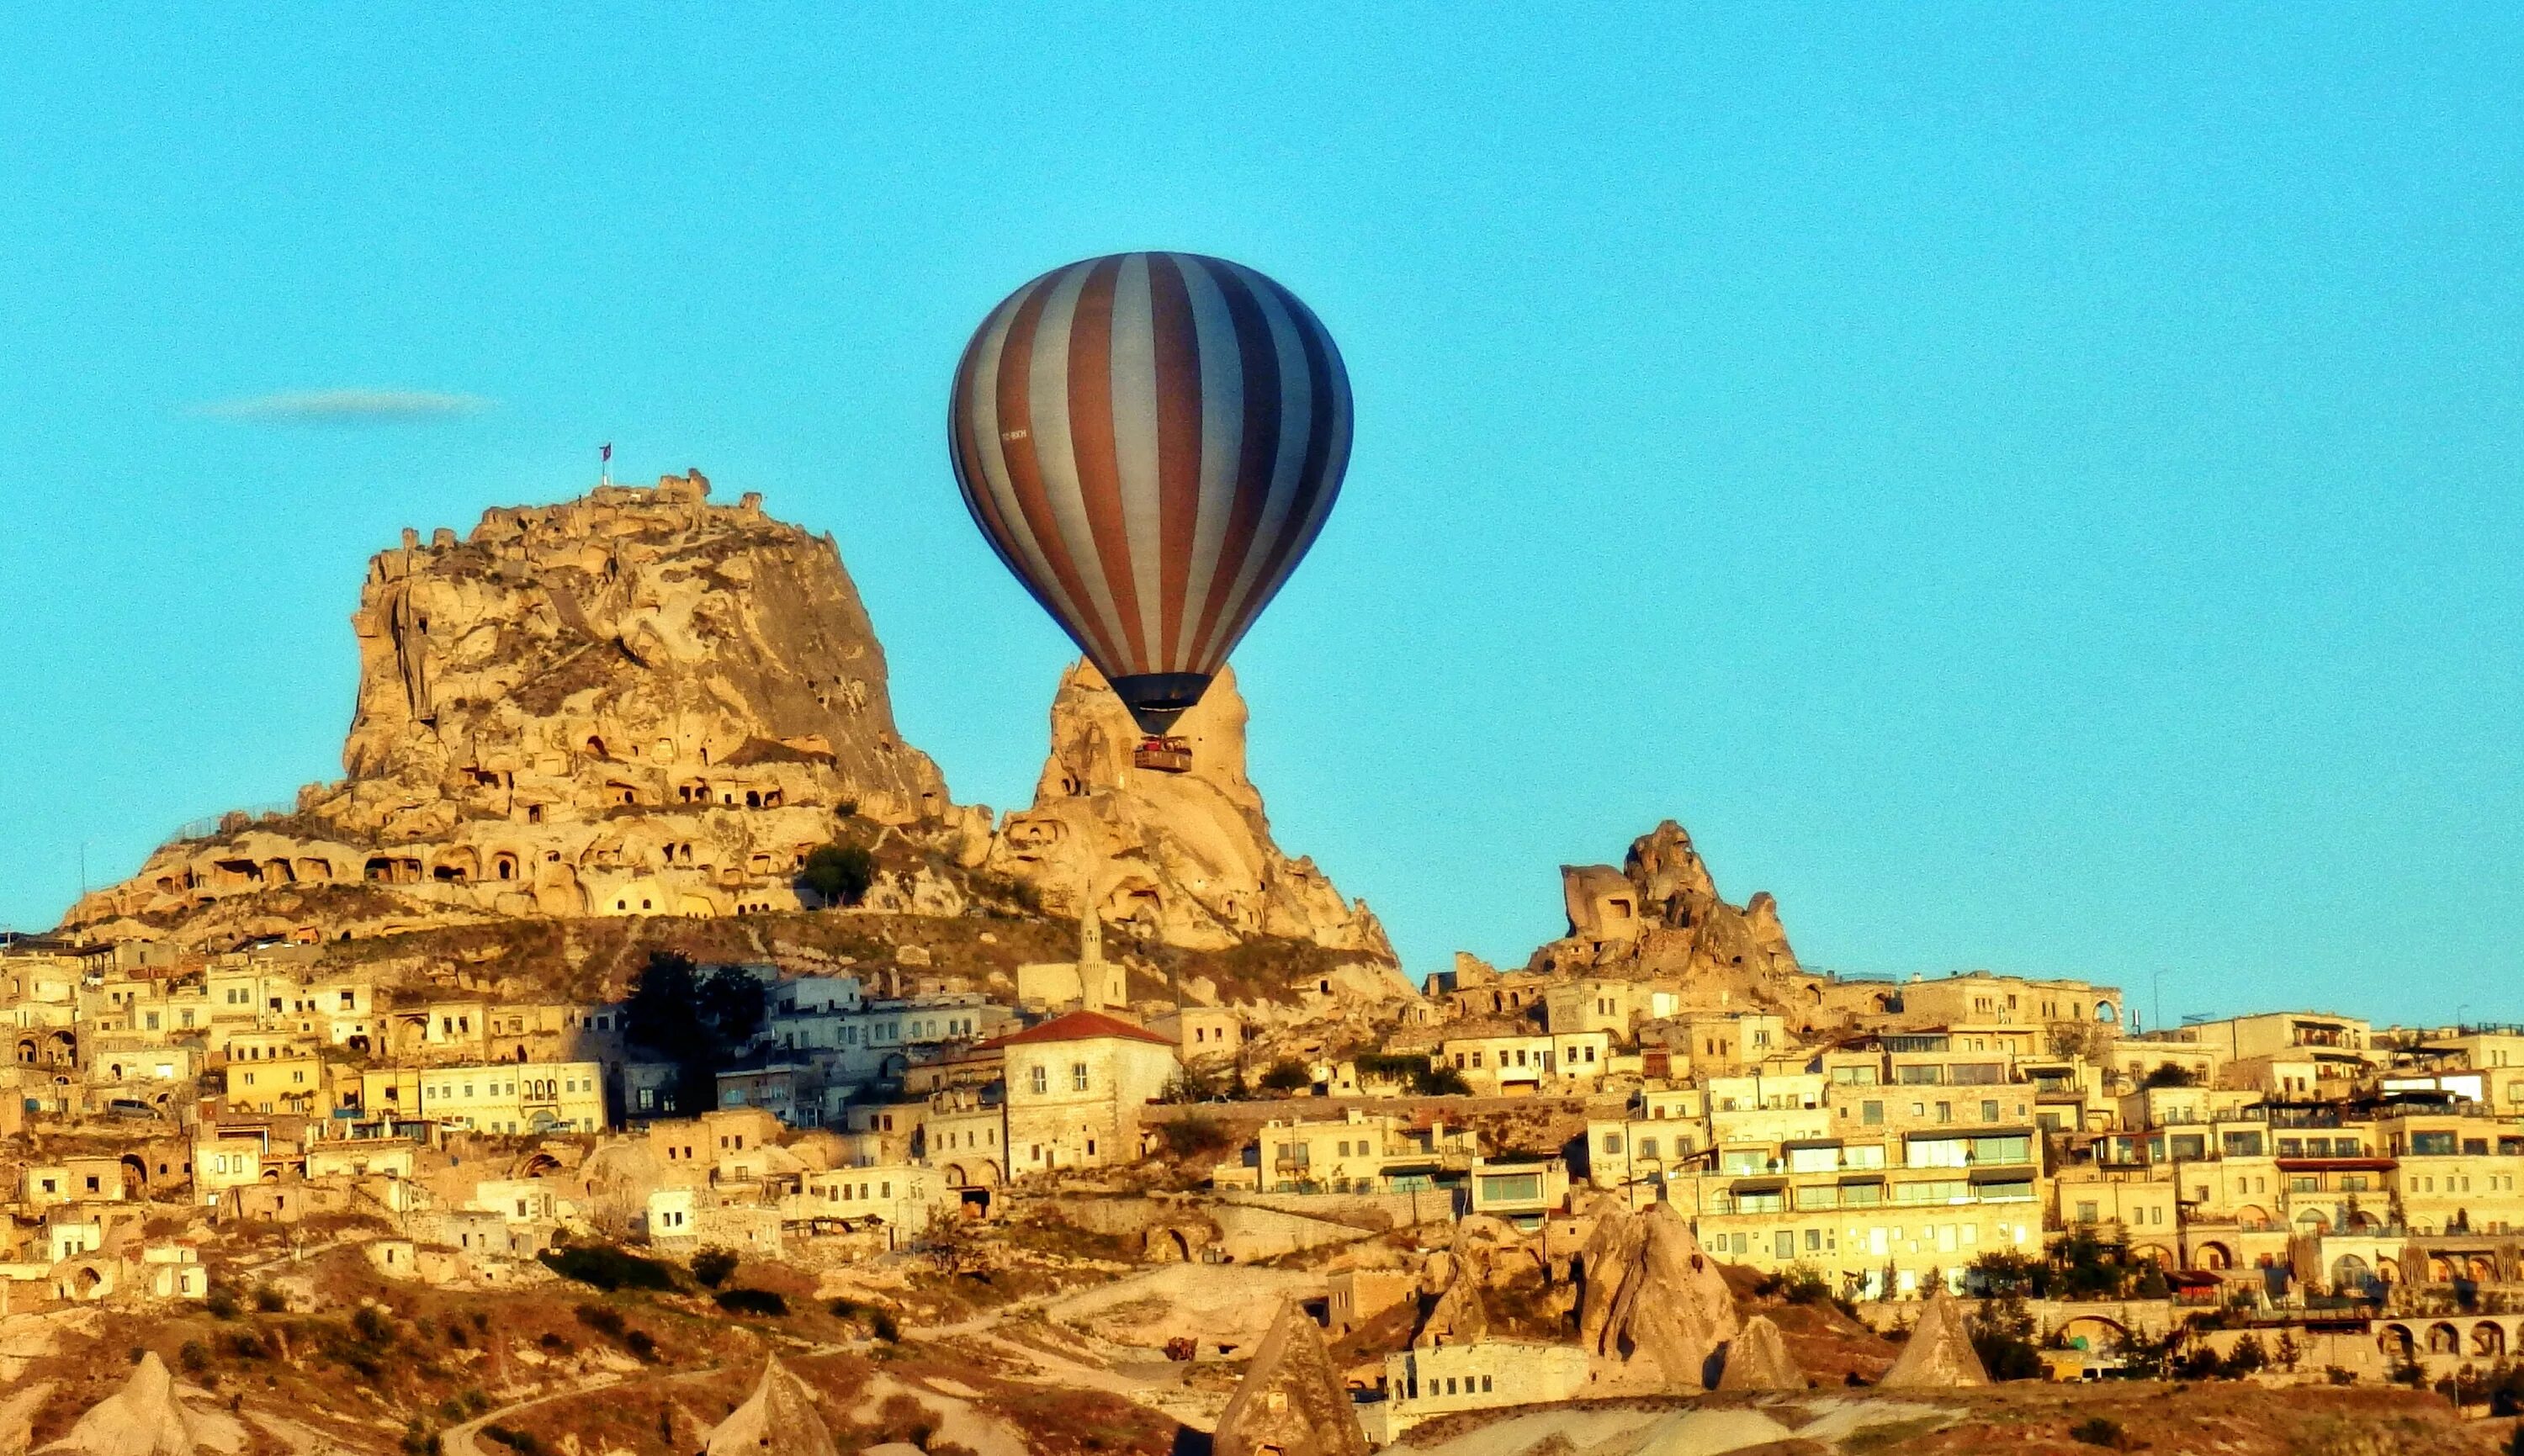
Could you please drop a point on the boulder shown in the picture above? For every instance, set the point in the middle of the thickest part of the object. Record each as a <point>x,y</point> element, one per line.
<point>779,1419</point>
<point>1291,1401</point>
<point>1939,1354</point>
<point>1655,1307</point>
<point>1758,1359</point>
<point>145,1418</point>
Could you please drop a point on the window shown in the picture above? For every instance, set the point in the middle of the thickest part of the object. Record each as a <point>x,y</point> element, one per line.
<point>1871,1114</point>
<point>1989,1113</point>
<point>1078,1077</point>
<point>2243,1144</point>
<point>1039,1079</point>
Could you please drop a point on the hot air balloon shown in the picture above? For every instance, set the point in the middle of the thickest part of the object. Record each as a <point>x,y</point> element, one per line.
<point>1150,441</point>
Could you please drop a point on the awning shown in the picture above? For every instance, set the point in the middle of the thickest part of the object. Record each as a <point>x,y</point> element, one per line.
<point>2017,1173</point>
<point>1862,1179</point>
<point>1813,1142</point>
<point>1758,1186</point>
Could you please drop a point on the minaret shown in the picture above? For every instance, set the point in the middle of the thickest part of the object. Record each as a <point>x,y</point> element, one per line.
<point>1091,937</point>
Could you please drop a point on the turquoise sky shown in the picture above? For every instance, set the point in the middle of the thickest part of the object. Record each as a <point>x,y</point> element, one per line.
<point>2032,486</point>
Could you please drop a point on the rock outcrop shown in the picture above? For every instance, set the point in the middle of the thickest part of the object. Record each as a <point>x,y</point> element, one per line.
<point>145,1418</point>
<point>1758,1359</point>
<point>1182,857</point>
<point>1654,1309</point>
<point>1292,1400</point>
<point>779,1419</point>
<point>1939,1354</point>
<point>635,703</point>
<point>1459,1317</point>
<point>1660,913</point>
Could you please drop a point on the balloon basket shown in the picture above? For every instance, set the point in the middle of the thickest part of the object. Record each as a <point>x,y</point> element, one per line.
<point>1163,754</point>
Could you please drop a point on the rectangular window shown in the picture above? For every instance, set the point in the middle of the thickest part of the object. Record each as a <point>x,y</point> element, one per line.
<point>1039,1079</point>
<point>1870,1114</point>
<point>1989,1113</point>
<point>1078,1077</point>
<point>2431,1144</point>
<point>2242,1144</point>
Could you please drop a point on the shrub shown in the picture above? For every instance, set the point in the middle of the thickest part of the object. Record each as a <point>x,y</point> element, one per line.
<point>1439,1082</point>
<point>222,1303</point>
<point>607,1268</point>
<point>712,1266</point>
<point>765,1302</point>
<point>1287,1075</point>
<point>642,1344</point>
<point>1196,1136</point>
<point>373,1325</point>
<point>195,1357</point>
<point>882,1321</point>
<point>2097,1430</point>
<point>601,1318</point>
<point>268,1300</point>
<point>522,1443</point>
<point>841,874</point>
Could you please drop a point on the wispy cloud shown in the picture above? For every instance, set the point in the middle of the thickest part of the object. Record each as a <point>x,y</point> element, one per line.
<point>344,407</point>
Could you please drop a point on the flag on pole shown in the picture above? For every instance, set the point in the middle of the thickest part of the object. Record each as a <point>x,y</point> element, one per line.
<point>606,452</point>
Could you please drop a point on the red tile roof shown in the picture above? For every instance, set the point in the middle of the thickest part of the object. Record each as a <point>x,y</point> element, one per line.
<point>1079,1026</point>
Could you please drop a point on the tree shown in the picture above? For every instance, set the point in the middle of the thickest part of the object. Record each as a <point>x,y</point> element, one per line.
<point>701,1022</point>
<point>2170,1074</point>
<point>2287,1352</point>
<point>2002,1334</point>
<point>2246,1357</point>
<point>839,874</point>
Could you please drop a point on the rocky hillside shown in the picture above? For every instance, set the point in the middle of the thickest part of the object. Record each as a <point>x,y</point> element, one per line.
<point>642,704</point>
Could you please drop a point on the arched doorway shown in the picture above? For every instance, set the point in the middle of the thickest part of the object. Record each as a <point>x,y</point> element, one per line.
<point>2489,1339</point>
<point>2444,1340</point>
<point>2215,1258</point>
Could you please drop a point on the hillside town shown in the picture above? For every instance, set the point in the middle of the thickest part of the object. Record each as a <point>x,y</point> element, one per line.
<point>637,1052</point>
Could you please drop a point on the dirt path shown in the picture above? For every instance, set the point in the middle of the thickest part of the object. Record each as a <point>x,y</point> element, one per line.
<point>458,1440</point>
<point>958,1420</point>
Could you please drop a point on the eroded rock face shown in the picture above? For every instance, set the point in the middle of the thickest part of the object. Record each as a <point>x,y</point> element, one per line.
<point>145,1418</point>
<point>1660,915</point>
<point>1655,1308</point>
<point>1758,1359</point>
<point>779,1419</point>
<point>1185,858</point>
<point>1939,1354</point>
<point>1292,1400</point>
<point>637,702</point>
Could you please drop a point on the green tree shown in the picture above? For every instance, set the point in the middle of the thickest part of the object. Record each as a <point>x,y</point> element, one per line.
<point>839,874</point>
<point>701,1022</point>
<point>2002,1334</point>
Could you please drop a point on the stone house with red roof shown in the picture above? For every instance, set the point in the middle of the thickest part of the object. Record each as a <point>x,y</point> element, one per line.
<point>1077,1086</point>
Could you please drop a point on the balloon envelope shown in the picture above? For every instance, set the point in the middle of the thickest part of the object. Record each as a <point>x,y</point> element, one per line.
<point>1150,441</point>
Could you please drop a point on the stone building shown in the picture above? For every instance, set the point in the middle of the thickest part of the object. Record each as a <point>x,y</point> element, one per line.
<point>1077,1086</point>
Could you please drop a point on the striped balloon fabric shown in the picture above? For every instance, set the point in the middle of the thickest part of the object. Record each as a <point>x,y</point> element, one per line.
<point>1150,441</point>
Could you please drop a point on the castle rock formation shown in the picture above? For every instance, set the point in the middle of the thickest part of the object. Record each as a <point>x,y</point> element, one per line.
<point>635,703</point>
